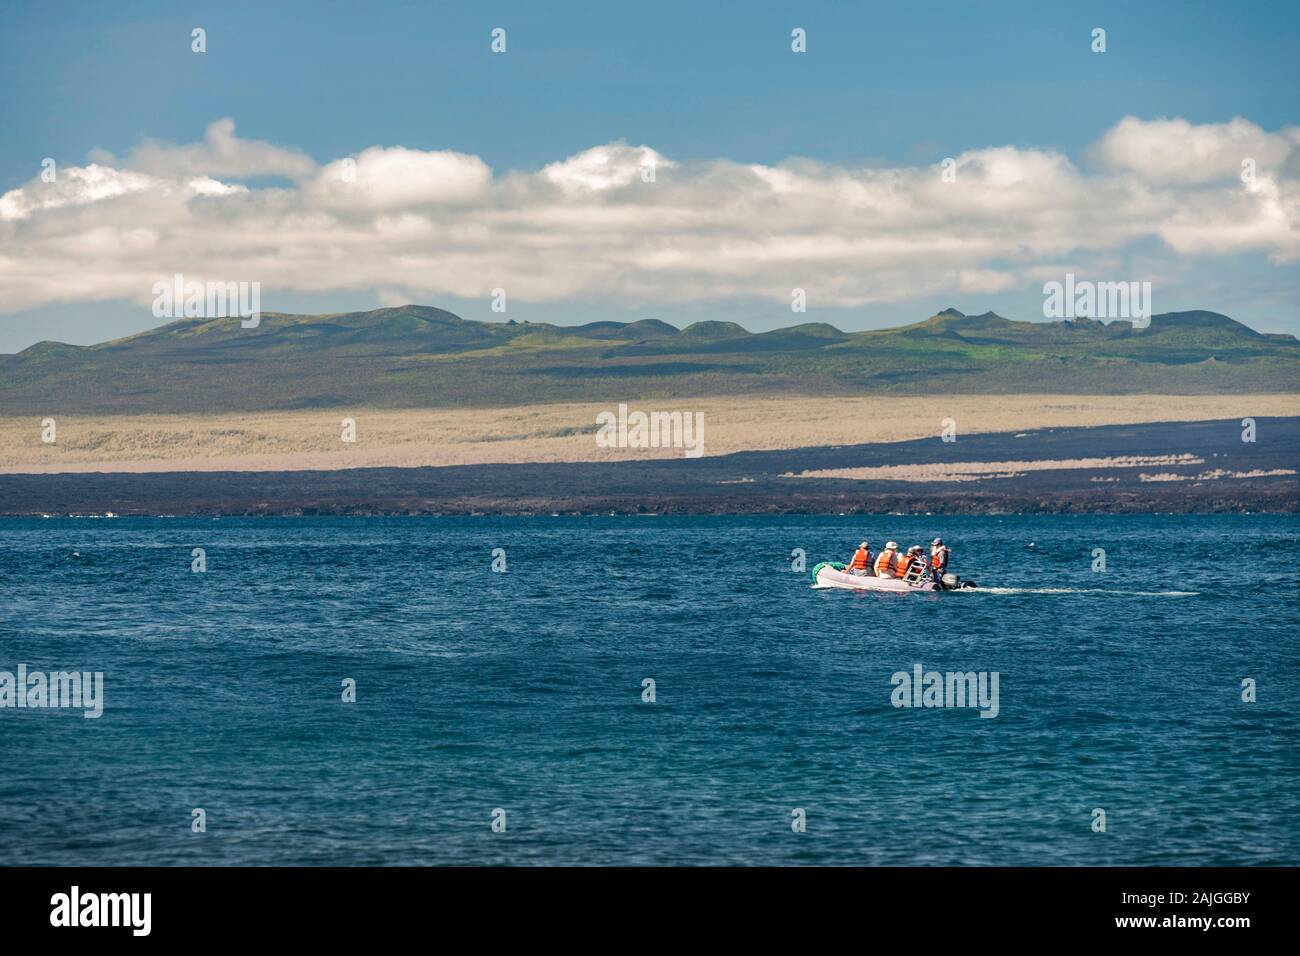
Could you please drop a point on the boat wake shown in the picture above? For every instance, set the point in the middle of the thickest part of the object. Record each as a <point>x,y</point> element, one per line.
<point>982,590</point>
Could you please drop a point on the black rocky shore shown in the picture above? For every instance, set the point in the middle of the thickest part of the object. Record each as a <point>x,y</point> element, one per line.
<point>743,483</point>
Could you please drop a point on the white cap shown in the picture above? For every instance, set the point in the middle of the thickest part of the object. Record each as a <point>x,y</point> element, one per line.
<point>891,544</point>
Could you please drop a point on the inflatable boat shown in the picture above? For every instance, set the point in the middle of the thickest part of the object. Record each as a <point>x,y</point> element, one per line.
<point>832,574</point>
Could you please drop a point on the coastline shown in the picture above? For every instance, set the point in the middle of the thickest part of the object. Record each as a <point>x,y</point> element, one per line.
<point>1180,467</point>
<point>310,440</point>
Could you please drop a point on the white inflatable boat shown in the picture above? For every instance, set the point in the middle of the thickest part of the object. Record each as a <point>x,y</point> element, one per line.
<point>831,574</point>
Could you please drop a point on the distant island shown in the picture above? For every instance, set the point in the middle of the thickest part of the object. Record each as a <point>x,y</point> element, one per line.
<point>415,410</point>
<point>423,357</point>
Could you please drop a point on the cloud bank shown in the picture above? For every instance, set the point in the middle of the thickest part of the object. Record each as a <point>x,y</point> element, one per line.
<point>626,222</point>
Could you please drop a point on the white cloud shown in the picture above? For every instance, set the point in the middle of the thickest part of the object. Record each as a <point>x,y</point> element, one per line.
<point>221,153</point>
<point>409,223</point>
<point>1175,151</point>
<point>74,186</point>
<point>983,281</point>
<point>606,167</point>
<point>398,178</point>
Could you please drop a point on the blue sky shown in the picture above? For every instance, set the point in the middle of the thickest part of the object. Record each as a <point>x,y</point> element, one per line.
<point>904,84</point>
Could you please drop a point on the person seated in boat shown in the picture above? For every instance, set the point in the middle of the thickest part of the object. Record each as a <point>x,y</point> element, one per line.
<point>904,562</point>
<point>939,554</point>
<point>885,561</point>
<point>860,563</point>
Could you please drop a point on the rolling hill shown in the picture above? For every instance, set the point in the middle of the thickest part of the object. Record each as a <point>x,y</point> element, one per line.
<point>419,356</point>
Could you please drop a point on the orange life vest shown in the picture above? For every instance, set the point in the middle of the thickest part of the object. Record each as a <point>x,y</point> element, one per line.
<point>861,560</point>
<point>885,562</point>
<point>939,558</point>
<point>900,567</point>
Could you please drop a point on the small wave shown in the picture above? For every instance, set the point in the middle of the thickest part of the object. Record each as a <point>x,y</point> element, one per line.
<point>982,590</point>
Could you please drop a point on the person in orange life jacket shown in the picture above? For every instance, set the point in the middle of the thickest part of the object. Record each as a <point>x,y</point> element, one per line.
<point>939,554</point>
<point>885,561</point>
<point>860,563</point>
<point>905,560</point>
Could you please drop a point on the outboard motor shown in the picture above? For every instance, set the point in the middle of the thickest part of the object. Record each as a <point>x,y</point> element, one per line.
<point>950,582</point>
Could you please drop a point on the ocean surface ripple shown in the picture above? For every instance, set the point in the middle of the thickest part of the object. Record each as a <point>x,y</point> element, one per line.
<point>522,690</point>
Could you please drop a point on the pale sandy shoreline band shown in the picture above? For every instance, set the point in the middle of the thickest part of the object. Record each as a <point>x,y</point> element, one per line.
<point>312,440</point>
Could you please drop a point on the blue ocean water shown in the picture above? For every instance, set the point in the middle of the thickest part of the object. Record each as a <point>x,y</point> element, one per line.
<point>522,690</point>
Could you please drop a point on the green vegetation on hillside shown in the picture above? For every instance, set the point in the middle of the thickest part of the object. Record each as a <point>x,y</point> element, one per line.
<point>417,356</point>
